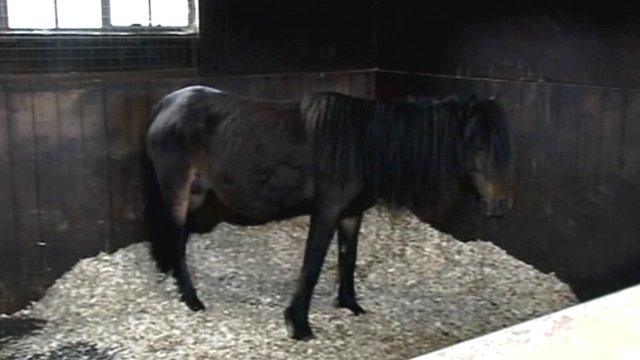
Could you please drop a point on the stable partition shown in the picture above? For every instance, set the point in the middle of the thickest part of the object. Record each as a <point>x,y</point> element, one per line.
<point>604,328</point>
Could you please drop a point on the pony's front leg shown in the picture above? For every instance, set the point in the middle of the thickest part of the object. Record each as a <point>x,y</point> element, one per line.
<point>321,229</point>
<point>348,230</point>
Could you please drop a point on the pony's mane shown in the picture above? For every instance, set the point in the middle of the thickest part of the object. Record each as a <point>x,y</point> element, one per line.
<point>408,154</point>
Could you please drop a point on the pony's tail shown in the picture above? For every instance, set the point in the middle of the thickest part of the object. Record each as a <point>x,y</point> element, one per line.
<point>159,224</point>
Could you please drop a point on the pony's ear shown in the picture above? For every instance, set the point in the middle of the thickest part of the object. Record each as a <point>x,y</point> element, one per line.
<point>473,106</point>
<point>469,98</point>
<point>474,117</point>
<point>470,129</point>
<point>471,101</point>
<point>450,99</point>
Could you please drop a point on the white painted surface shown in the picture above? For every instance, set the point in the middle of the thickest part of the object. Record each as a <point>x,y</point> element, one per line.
<point>607,328</point>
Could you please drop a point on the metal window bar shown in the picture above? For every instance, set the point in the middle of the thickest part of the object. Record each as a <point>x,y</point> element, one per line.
<point>149,7</point>
<point>107,27</point>
<point>106,14</point>
<point>4,19</point>
<point>55,12</point>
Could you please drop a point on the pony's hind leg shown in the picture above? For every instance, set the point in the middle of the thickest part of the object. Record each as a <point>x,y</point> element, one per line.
<point>175,178</point>
<point>200,219</point>
<point>348,230</point>
<point>183,278</point>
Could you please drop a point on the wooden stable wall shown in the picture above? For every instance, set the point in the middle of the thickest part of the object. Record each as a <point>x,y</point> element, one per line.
<point>70,174</point>
<point>577,177</point>
<point>70,169</point>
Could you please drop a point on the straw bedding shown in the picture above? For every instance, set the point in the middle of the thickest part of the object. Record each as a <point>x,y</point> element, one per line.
<point>423,289</point>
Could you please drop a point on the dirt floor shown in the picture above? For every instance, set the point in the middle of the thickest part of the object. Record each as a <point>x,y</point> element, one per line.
<point>423,289</point>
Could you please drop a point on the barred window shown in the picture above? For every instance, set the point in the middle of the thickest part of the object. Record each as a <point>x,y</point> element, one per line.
<point>98,16</point>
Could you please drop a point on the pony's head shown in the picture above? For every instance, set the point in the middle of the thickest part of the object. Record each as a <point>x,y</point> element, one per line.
<point>487,154</point>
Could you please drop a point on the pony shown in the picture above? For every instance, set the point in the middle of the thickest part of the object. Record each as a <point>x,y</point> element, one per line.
<point>214,157</point>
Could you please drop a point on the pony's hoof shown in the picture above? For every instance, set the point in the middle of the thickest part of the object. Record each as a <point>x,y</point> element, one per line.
<point>303,335</point>
<point>298,330</point>
<point>193,303</point>
<point>350,304</point>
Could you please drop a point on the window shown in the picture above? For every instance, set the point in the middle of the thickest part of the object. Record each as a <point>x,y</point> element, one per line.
<point>98,16</point>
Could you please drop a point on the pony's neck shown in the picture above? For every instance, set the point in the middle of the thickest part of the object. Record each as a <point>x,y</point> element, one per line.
<point>408,154</point>
<point>423,154</point>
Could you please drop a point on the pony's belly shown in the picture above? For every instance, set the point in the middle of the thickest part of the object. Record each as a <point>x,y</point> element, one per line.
<point>260,212</point>
<point>265,195</point>
<point>251,219</point>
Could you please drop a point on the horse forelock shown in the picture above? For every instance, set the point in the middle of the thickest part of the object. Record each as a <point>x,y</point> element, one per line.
<point>493,127</point>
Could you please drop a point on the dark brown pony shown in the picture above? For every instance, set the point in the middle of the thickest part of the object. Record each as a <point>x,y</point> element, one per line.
<point>218,157</point>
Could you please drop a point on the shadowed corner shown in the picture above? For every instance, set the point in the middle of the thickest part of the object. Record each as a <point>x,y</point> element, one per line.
<point>14,328</point>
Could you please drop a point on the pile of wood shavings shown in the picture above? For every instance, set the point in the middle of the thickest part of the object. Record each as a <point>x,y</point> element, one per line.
<point>423,289</point>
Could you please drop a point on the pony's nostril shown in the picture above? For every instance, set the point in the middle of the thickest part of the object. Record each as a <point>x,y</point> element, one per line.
<point>485,206</point>
<point>494,208</point>
<point>502,205</point>
<point>508,202</point>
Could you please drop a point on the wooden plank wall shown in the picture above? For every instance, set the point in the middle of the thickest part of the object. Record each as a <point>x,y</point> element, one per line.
<point>577,184</point>
<point>70,174</point>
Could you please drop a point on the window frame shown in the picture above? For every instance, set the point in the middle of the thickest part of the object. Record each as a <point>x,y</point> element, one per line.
<point>107,28</point>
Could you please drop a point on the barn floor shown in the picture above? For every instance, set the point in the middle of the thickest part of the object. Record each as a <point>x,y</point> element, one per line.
<point>423,289</point>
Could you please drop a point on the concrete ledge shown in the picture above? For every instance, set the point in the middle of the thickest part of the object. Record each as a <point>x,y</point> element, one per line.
<point>604,328</point>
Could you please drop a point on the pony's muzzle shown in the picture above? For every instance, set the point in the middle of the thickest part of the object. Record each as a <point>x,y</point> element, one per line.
<point>496,207</point>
